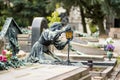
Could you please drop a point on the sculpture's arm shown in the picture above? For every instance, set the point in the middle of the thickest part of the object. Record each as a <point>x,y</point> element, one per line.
<point>60,45</point>
<point>58,34</point>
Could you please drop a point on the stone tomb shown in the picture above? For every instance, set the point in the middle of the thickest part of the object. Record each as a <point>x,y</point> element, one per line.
<point>46,72</point>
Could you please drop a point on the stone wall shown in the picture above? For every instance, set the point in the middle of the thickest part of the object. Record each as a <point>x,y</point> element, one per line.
<point>114,33</point>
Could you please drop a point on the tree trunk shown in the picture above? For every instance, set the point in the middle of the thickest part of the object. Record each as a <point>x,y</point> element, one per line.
<point>101,26</point>
<point>83,19</point>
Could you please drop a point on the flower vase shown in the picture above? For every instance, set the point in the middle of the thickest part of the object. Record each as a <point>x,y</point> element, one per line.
<point>109,55</point>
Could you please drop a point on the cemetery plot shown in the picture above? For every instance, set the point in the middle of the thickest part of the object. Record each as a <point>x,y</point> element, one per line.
<point>47,72</point>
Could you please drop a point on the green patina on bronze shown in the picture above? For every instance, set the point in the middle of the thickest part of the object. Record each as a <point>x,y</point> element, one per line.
<point>9,31</point>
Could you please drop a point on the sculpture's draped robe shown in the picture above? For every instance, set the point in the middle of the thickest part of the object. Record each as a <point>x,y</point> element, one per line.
<point>41,46</point>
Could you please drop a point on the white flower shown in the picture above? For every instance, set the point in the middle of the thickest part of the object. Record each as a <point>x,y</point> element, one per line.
<point>109,41</point>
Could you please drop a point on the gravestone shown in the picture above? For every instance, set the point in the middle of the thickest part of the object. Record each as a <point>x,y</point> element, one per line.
<point>38,25</point>
<point>10,23</point>
<point>9,26</point>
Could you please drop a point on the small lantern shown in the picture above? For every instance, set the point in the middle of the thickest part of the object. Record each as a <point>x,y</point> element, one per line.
<point>69,34</point>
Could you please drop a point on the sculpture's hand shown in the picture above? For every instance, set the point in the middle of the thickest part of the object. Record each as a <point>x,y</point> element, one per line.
<point>67,41</point>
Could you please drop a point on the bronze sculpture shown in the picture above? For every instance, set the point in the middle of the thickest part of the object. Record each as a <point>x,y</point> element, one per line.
<point>48,37</point>
<point>13,41</point>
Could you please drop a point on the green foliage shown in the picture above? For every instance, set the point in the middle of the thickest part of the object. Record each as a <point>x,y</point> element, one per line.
<point>26,10</point>
<point>2,66</point>
<point>96,10</point>
<point>2,20</point>
<point>93,27</point>
<point>51,6</point>
<point>53,18</point>
<point>23,11</point>
<point>115,6</point>
<point>16,62</point>
<point>13,62</point>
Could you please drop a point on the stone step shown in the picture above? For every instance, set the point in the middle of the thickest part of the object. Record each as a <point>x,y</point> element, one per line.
<point>97,60</point>
<point>106,62</point>
<point>82,48</point>
<point>23,35</point>
<point>24,38</point>
<point>81,57</point>
<point>86,49</point>
<point>24,42</point>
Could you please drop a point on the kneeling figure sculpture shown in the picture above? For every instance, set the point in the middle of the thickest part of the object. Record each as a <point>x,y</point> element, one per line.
<point>48,37</point>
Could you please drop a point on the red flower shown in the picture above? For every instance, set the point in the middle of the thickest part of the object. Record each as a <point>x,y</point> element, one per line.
<point>4,59</point>
<point>1,58</point>
<point>4,52</point>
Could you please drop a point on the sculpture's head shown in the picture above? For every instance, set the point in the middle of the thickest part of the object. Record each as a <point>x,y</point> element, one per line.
<point>56,26</point>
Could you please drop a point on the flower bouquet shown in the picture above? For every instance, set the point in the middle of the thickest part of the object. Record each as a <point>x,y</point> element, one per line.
<point>109,49</point>
<point>7,60</point>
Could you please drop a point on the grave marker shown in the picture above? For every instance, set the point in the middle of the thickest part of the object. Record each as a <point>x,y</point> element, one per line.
<point>9,33</point>
<point>10,22</point>
<point>38,24</point>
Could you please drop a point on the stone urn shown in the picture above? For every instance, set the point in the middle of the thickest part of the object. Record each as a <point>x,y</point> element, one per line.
<point>109,55</point>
